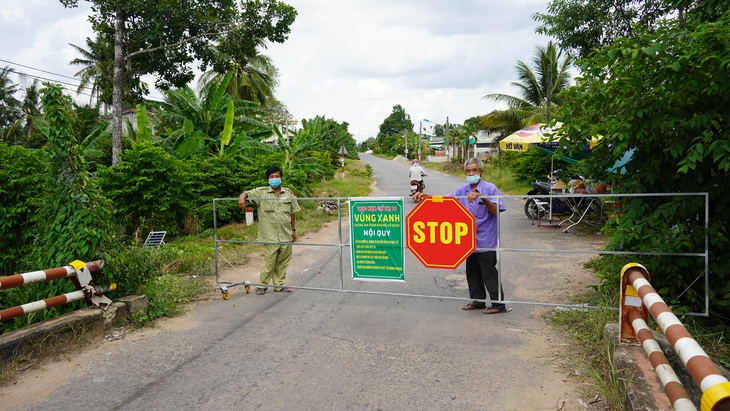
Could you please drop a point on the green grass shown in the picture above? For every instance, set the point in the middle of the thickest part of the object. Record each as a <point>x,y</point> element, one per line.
<point>592,359</point>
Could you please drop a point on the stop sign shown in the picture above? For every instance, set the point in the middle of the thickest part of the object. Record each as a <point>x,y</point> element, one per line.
<point>440,232</point>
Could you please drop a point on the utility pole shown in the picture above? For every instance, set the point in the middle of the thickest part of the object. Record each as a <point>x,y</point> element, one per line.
<point>549,82</point>
<point>446,138</point>
<point>405,138</point>
<point>420,128</point>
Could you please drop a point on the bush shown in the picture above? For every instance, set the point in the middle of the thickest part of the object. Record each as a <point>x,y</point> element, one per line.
<point>24,181</point>
<point>168,293</point>
<point>132,267</point>
<point>151,190</point>
<point>533,165</point>
<point>224,177</point>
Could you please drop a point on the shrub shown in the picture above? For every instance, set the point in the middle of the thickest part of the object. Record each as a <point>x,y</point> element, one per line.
<point>168,293</point>
<point>24,181</point>
<point>151,189</point>
<point>224,177</point>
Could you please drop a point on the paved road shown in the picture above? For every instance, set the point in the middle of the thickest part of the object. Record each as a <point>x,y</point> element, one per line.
<point>314,350</point>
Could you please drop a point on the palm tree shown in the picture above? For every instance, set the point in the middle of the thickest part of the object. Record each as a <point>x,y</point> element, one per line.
<point>254,78</point>
<point>31,108</point>
<point>10,107</point>
<point>539,86</point>
<point>96,74</point>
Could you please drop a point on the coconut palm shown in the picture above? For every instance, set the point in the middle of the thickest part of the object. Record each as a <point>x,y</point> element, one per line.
<point>254,78</point>
<point>539,85</point>
<point>96,74</point>
<point>10,107</point>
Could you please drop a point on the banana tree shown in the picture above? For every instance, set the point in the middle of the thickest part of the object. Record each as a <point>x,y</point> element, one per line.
<point>215,123</point>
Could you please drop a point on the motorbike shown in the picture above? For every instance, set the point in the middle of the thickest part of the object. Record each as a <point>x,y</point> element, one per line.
<point>588,208</point>
<point>417,187</point>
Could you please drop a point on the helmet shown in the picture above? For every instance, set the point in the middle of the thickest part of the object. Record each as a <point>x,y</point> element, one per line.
<point>415,161</point>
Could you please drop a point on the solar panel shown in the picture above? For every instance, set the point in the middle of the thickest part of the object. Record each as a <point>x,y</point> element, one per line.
<point>155,239</point>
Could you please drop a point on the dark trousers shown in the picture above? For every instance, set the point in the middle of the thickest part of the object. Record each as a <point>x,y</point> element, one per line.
<point>482,277</point>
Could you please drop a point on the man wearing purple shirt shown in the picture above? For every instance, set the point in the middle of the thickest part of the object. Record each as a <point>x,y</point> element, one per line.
<point>481,265</point>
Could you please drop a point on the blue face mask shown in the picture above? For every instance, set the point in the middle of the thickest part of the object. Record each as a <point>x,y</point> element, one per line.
<point>275,182</point>
<point>473,179</point>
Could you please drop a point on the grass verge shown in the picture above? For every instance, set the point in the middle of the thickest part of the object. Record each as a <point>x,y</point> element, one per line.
<point>593,361</point>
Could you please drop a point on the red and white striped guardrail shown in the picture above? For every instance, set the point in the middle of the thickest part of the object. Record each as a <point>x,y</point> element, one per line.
<point>638,294</point>
<point>78,271</point>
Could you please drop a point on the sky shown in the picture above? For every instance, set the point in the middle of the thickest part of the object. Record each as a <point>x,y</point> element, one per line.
<point>348,60</point>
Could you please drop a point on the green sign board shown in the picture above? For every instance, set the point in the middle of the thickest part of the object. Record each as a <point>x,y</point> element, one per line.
<point>376,238</point>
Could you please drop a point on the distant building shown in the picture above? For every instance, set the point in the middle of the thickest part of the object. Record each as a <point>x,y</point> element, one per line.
<point>286,131</point>
<point>130,115</point>
<point>486,143</point>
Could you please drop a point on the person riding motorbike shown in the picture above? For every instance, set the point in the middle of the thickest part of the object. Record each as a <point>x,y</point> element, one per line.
<point>415,175</point>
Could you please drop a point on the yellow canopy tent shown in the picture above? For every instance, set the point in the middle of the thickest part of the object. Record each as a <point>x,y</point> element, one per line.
<point>526,138</point>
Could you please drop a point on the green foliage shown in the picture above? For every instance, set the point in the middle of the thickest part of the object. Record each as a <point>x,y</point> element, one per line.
<point>391,131</point>
<point>168,293</point>
<point>9,105</point>
<point>225,177</point>
<point>301,158</point>
<point>334,136</point>
<point>665,96</point>
<point>61,217</point>
<point>538,83</point>
<point>144,129</point>
<point>132,267</point>
<point>24,177</point>
<point>213,124</point>
<point>73,220</point>
<point>534,165</point>
<point>151,190</point>
<point>587,25</point>
<point>215,33</point>
<point>97,70</point>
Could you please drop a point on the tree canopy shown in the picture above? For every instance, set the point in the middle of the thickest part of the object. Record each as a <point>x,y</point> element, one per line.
<point>539,84</point>
<point>165,38</point>
<point>665,95</point>
<point>392,129</point>
<point>583,26</point>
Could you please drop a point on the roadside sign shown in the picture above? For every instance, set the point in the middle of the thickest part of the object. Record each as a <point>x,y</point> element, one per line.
<point>440,232</point>
<point>376,238</point>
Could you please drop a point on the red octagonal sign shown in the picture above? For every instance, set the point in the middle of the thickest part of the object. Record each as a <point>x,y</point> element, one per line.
<point>440,232</point>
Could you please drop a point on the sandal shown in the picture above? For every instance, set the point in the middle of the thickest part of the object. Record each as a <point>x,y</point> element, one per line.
<point>282,290</point>
<point>260,291</point>
<point>495,310</point>
<point>472,306</point>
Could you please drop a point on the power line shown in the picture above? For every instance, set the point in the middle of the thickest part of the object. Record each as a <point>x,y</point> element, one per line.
<point>57,81</point>
<point>52,80</point>
<point>37,69</point>
<point>33,76</point>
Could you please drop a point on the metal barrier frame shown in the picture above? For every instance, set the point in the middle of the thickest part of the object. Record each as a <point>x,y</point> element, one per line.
<point>499,249</point>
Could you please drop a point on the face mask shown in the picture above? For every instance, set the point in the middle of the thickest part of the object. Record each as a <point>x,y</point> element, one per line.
<point>275,182</point>
<point>473,179</point>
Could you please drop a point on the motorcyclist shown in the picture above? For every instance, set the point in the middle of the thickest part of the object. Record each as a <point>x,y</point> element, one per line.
<point>416,173</point>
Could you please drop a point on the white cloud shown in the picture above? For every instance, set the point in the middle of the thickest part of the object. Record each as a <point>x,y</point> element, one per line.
<point>350,60</point>
<point>435,58</point>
